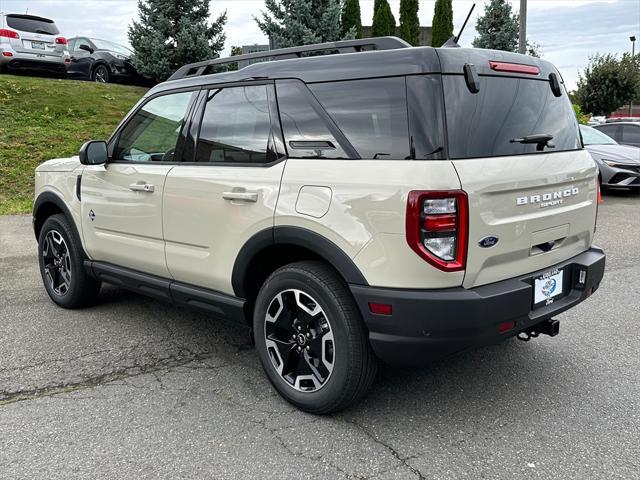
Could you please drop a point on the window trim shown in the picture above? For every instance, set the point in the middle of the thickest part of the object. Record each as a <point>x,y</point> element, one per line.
<point>275,133</point>
<point>112,143</point>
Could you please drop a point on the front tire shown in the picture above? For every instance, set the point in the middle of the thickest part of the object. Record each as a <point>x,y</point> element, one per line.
<point>100,74</point>
<point>61,265</point>
<point>311,339</point>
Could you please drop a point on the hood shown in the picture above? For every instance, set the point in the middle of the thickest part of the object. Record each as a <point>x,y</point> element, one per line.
<point>59,165</point>
<point>616,153</point>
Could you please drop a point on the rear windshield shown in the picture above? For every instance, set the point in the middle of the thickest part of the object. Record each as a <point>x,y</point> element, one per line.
<point>506,108</point>
<point>26,23</point>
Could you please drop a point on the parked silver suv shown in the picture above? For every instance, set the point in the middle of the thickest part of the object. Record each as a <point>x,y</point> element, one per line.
<point>28,42</point>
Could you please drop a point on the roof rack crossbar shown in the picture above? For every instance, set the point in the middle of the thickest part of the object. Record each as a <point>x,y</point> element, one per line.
<point>344,46</point>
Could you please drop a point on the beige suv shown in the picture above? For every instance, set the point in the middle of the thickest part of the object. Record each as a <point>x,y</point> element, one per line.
<point>375,202</point>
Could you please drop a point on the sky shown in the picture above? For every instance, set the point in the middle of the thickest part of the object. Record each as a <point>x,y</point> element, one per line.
<point>569,31</point>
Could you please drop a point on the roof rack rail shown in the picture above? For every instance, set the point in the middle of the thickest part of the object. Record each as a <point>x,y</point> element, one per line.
<point>343,46</point>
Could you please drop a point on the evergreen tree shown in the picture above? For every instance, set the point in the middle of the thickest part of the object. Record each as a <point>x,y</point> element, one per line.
<point>409,22</point>
<point>384,23</point>
<point>289,23</point>
<point>442,23</point>
<point>172,33</point>
<point>351,18</point>
<point>498,28</point>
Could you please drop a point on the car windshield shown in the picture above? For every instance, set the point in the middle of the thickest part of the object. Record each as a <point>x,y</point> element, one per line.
<point>114,47</point>
<point>591,136</point>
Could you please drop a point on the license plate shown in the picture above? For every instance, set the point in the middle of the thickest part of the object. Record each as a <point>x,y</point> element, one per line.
<point>547,287</point>
<point>37,45</point>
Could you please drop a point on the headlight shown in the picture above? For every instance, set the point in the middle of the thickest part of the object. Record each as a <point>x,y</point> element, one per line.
<point>120,56</point>
<point>613,164</point>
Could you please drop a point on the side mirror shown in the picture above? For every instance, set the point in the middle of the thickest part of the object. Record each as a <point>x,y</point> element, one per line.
<point>94,152</point>
<point>86,48</point>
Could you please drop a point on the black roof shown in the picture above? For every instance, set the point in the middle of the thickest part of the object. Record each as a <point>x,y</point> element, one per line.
<point>367,64</point>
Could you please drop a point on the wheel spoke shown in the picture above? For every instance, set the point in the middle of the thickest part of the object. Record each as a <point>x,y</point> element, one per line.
<point>56,263</point>
<point>296,333</point>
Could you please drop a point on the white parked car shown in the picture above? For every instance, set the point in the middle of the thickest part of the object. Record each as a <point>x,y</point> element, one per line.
<point>28,42</point>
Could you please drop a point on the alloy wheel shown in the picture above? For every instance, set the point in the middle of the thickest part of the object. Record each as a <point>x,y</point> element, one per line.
<point>299,340</point>
<point>101,75</point>
<point>57,262</point>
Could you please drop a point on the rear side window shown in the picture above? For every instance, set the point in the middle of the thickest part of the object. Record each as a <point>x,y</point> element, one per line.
<point>26,23</point>
<point>506,108</point>
<point>371,113</point>
<point>630,134</point>
<point>235,126</point>
<point>306,132</point>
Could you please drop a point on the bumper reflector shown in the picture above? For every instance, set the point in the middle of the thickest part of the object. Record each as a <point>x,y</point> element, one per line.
<point>380,308</point>
<point>506,326</point>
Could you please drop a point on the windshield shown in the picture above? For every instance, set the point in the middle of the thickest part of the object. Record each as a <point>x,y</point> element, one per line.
<point>114,47</point>
<point>591,136</point>
<point>28,23</point>
<point>496,120</point>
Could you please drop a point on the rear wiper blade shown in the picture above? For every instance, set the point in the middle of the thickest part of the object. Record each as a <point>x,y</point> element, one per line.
<point>540,139</point>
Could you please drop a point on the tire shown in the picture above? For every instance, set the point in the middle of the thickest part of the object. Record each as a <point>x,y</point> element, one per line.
<point>311,339</point>
<point>100,74</point>
<point>60,258</point>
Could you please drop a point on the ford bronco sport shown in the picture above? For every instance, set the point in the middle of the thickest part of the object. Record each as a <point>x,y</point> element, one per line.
<point>350,202</point>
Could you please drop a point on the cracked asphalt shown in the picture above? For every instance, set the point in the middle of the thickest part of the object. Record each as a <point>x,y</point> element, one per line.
<point>134,388</point>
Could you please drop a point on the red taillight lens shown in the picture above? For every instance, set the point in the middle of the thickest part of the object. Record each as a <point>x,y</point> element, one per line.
<point>7,54</point>
<point>8,33</point>
<point>437,227</point>
<point>61,41</point>
<point>514,68</point>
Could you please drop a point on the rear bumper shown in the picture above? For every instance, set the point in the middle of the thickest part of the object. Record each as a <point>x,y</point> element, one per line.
<point>42,65</point>
<point>429,324</point>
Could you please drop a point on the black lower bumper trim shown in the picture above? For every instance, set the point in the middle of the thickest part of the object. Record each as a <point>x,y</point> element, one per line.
<point>429,324</point>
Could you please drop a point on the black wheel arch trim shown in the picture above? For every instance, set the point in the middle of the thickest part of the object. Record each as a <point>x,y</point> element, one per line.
<point>299,237</point>
<point>51,198</point>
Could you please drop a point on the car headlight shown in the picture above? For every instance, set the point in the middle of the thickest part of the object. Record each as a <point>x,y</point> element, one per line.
<point>613,164</point>
<point>121,57</point>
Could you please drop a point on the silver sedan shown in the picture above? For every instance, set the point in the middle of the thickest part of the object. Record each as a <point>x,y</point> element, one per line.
<point>619,164</point>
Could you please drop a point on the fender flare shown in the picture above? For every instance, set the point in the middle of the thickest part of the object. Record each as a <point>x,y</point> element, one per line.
<point>299,237</point>
<point>50,197</point>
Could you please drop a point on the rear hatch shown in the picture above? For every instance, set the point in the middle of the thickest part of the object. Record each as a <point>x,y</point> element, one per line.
<point>531,205</point>
<point>38,36</point>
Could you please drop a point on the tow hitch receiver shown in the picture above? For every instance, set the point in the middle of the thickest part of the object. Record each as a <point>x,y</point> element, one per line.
<point>549,327</point>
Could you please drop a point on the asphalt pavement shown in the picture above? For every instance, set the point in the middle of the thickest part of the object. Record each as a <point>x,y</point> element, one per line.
<point>135,388</point>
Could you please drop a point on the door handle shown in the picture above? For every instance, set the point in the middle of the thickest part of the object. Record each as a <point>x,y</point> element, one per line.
<point>241,195</point>
<point>142,187</point>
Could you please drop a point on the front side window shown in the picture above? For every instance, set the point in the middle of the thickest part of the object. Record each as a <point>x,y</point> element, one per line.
<point>235,126</point>
<point>371,113</point>
<point>79,42</point>
<point>495,121</point>
<point>152,133</point>
<point>630,134</point>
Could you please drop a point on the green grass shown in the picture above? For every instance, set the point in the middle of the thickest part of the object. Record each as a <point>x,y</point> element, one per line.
<point>42,118</point>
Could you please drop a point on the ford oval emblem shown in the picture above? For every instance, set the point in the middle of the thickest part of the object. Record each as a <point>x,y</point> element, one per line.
<point>488,242</point>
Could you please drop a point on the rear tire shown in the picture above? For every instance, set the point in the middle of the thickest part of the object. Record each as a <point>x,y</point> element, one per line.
<point>61,265</point>
<point>311,339</point>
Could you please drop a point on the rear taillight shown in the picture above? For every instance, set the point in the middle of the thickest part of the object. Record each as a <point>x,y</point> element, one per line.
<point>8,33</point>
<point>514,68</point>
<point>437,227</point>
<point>61,41</point>
<point>7,54</point>
<point>598,201</point>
